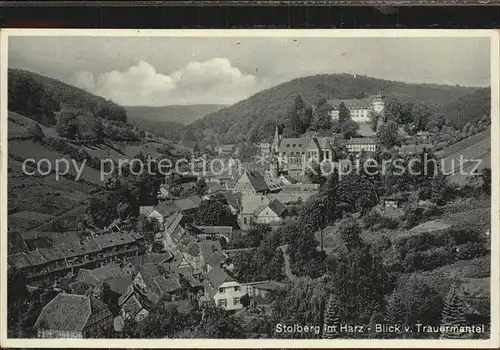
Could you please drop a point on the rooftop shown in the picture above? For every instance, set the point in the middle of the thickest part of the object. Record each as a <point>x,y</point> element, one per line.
<point>362,103</point>
<point>68,312</point>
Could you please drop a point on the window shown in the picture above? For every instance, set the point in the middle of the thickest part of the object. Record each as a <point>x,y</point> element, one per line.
<point>245,221</point>
<point>221,290</point>
<point>288,145</point>
<point>294,145</point>
<point>222,302</point>
<point>237,288</point>
<point>236,301</point>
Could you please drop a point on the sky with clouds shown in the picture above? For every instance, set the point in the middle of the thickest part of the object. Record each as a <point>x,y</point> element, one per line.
<point>156,71</point>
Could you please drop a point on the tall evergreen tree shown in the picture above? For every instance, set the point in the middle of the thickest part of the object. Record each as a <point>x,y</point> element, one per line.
<point>453,313</point>
<point>344,113</point>
<point>395,313</point>
<point>331,319</point>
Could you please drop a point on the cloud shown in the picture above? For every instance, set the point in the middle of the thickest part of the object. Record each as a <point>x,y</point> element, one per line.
<point>212,81</point>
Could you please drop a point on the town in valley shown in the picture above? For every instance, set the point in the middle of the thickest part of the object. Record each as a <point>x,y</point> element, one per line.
<point>275,209</point>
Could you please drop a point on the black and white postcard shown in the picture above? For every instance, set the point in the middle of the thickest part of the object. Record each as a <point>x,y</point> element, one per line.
<point>258,188</point>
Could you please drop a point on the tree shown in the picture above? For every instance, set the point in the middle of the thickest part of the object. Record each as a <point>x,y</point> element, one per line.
<point>331,320</point>
<point>68,125</point>
<point>486,177</point>
<point>374,118</point>
<point>201,187</point>
<point>388,134</point>
<point>300,236</point>
<point>349,129</point>
<point>421,115</point>
<point>321,118</point>
<point>344,113</point>
<point>35,131</point>
<point>357,192</point>
<point>417,302</point>
<point>315,174</point>
<point>213,213</point>
<point>296,117</point>
<point>245,300</point>
<point>395,311</point>
<point>97,129</point>
<point>110,111</point>
<point>453,313</point>
<point>351,235</point>
<point>217,323</point>
<point>360,282</point>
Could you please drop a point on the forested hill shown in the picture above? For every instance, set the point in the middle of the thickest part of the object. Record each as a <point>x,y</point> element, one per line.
<point>39,97</point>
<point>258,114</point>
<point>178,114</point>
<point>468,108</point>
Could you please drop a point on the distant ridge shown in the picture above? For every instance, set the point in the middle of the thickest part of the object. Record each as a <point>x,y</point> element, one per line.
<point>261,111</point>
<point>182,114</point>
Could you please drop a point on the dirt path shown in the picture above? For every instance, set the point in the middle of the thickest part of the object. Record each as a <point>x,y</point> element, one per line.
<point>288,269</point>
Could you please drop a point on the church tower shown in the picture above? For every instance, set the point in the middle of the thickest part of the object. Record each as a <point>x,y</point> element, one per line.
<point>276,141</point>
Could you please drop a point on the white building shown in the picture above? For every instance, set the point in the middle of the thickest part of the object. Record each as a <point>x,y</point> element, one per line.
<point>360,108</point>
<point>223,289</point>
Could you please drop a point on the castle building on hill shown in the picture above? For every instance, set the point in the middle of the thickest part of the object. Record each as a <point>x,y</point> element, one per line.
<point>360,108</point>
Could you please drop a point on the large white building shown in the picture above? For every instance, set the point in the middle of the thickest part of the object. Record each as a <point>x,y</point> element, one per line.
<point>360,108</point>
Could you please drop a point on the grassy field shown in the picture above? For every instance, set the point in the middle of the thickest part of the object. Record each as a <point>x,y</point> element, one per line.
<point>146,148</point>
<point>475,147</point>
<point>102,151</point>
<point>25,149</point>
<point>22,121</point>
<point>479,219</point>
<point>35,201</point>
<point>465,143</point>
<point>16,130</point>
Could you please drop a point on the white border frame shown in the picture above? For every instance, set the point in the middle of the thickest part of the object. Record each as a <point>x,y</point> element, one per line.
<point>493,342</point>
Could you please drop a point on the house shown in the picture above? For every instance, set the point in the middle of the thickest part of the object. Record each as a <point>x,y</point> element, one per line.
<point>135,305</point>
<point>273,212</point>
<point>293,150</point>
<point>233,201</point>
<point>252,182</point>
<point>163,192</point>
<point>117,280</point>
<point>145,275</point>
<point>360,109</point>
<point>293,153</point>
<point>320,148</point>
<point>286,180</point>
<point>265,149</point>
<point>212,255</point>
<point>160,283</point>
<point>151,213</point>
<point>74,316</point>
<point>261,209</point>
<point>46,264</point>
<point>223,289</point>
<point>413,149</point>
<point>249,205</point>
<point>392,202</point>
<point>262,289</point>
<point>225,150</point>
<point>166,208</point>
<point>214,232</point>
<point>132,266</point>
<point>423,135</point>
<point>217,177</point>
<point>359,144</point>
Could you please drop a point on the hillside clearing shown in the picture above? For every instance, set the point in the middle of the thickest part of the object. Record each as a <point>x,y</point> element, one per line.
<point>27,149</point>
